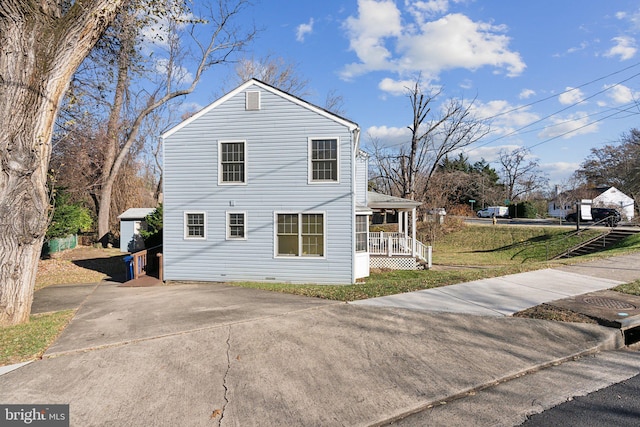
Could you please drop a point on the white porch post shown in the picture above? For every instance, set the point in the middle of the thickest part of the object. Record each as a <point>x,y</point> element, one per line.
<point>400,221</point>
<point>413,232</point>
<point>406,224</point>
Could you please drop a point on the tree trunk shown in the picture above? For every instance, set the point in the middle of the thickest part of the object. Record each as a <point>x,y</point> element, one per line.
<point>41,45</point>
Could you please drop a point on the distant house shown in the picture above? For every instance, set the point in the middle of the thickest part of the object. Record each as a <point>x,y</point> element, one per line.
<point>131,222</point>
<point>610,197</point>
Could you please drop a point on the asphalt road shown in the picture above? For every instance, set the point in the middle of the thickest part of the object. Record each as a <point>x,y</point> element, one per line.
<point>617,405</point>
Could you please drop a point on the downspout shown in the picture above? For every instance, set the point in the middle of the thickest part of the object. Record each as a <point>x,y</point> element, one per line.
<point>356,146</point>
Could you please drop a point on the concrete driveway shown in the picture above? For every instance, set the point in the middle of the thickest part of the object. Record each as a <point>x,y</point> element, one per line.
<point>212,354</point>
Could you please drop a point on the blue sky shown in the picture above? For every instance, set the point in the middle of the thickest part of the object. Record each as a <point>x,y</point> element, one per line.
<point>559,77</point>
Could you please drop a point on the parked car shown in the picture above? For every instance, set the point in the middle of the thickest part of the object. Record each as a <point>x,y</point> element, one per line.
<point>612,216</point>
<point>494,211</point>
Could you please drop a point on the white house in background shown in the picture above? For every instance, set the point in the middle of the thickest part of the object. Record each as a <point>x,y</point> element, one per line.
<point>609,197</point>
<point>263,186</point>
<point>131,222</point>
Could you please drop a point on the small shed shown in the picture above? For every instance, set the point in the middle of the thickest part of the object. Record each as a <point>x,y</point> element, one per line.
<point>131,222</point>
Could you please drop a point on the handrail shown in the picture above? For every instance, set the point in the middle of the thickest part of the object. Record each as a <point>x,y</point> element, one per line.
<point>141,262</point>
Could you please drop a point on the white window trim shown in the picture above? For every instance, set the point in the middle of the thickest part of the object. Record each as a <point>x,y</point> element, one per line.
<point>244,142</point>
<point>186,226</point>
<point>246,100</point>
<point>228,227</point>
<point>310,160</point>
<point>299,213</point>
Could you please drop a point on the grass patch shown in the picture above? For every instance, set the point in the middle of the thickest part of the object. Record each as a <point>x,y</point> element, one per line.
<point>505,245</point>
<point>632,288</point>
<point>30,340</point>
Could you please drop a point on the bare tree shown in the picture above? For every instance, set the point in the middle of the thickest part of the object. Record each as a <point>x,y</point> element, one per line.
<point>274,71</point>
<point>213,34</point>
<point>434,134</point>
<point>522,175</point>
<point>615,165</point>
<point>42,43</point>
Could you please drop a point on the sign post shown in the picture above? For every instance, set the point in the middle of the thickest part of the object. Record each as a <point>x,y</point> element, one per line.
<point>472,202</point>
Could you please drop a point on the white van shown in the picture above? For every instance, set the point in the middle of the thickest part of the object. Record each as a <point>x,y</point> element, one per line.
<point>491,211</point>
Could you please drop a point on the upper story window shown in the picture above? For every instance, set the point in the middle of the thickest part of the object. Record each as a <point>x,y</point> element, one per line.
<point>323,160</point>
<point>232,157</point>
<point>194,225</point>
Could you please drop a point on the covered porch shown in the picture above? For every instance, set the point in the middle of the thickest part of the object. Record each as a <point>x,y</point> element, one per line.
<point>399,250</point>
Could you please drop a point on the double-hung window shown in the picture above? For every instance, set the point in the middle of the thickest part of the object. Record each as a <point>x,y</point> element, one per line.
<point>362,233</point>
<point>232,166</point>
<point>323,160</point>
<point>236,226</point>
<point>194,225</point>
<point>300,235</point>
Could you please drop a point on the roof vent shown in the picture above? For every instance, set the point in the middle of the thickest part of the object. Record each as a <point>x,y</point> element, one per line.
<point>252,100</point>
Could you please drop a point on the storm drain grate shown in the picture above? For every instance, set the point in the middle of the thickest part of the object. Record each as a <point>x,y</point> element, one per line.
<point>609,303</point>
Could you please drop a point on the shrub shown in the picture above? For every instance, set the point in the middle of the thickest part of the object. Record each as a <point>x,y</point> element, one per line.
<point>153,234</point>
<point>67,218</point>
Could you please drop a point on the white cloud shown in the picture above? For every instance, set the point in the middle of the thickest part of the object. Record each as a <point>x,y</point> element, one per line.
<point>504,117</point>
<point>559,171</point>
<point>179,74</point>
<point>376,21</point>
<point>303,30</point>
<point>489,153</point>
<point>386,40</point>
<point>621,94</point>
<point>625,48</point>
<point>571,96</point>
<point>401,87</point>
<point>573,125</point>
<point>388,136</point>
<point>421,10</point>
<point>526,93</point>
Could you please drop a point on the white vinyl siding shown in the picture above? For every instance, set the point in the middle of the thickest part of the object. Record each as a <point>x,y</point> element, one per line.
<point>232,167</point>
<point>195,225</point>
<point>236,226</point>
<point>323,159</point>
<point>300,234</point>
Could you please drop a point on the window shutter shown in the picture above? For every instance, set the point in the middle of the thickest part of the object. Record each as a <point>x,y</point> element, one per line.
<point>252,100</point>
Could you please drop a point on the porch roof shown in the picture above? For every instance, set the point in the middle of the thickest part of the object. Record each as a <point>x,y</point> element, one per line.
<point>383,201</point>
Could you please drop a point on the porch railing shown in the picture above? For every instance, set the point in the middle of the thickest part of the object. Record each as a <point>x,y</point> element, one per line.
<point>396,244</point>
<point>147,260</point>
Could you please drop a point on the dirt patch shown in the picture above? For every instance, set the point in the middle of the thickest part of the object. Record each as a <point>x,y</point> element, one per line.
<point>549,312</point>
<point>84,264</point>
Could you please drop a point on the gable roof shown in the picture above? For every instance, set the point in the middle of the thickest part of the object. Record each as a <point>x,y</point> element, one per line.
<point>136,213</point>
<point>352,126</point>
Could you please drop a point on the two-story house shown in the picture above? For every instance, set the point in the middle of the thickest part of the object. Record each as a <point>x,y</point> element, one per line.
<point>262,186</point>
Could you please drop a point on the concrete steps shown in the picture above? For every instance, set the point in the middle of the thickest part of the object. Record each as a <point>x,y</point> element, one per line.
<point>600,243</point>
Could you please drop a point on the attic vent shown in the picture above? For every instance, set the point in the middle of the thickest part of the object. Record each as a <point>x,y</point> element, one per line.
<point>252,100</point>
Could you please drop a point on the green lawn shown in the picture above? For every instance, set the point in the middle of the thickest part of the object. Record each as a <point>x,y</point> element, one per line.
<point>30,340</point>
<point>471,253</point>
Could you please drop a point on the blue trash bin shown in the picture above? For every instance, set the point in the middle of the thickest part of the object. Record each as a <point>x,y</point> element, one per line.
<point>128,260</point>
